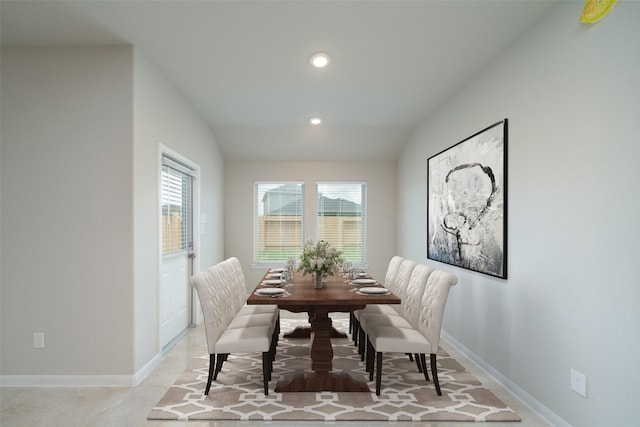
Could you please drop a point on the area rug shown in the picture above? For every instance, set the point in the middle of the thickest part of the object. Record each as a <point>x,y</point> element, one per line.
<point>406,396</point>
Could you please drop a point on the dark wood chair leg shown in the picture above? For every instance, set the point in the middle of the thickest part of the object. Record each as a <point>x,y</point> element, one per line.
<point>423,365</point>
<point>410,356</point>
<point>274,344</point>
<point>212,364</point>
<point>434,372</point>
<point>266,371</point>
<point>371,354</point>
<point>417,358</point>
<point>351,323</point>
<point>378,372</point>
<point>362,344</point>
<point>221,359</point>
<point>356,332</point>
<point>272,355</point>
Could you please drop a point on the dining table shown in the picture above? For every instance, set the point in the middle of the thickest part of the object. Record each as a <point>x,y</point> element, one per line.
<point>338,294</point>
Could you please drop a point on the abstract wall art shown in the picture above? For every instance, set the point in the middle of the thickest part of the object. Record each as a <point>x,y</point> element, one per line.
<point>467,203</point>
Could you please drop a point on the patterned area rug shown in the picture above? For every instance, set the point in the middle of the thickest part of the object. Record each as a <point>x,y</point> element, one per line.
<point>405,395</point>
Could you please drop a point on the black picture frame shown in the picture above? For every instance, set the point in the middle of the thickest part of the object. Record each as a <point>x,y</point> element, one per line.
<point>467,202</point>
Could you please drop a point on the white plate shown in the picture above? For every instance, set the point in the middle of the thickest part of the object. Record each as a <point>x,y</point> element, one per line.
<point>269,291</point>
<point>373,291</point>
<point>274,275</point>
<point>364,282</point>
<point>277,270</point>
<point>363,275</point>
<point>273,282</point>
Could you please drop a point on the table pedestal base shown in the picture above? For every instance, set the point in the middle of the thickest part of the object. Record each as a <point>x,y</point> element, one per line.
<point>332,381</point>
<point>305,332</point>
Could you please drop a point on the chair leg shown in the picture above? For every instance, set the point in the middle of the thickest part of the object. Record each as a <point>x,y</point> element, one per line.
<point>212,364</point>
<point>351,316</point>
<point>356,332</point>
<point>266,371</point>
<point>423,366</point>
<point>434,372</point>
<point>370,359</point>
<point>378,372</point>
<point>221,359</point>
<point>362,340</point>
<point>272,356</point>
<point>417,358</point>
<point>410,356</point>
<point>274,343</point>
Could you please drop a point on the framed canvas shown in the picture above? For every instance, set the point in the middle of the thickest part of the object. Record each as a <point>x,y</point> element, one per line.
<point>467,203</point>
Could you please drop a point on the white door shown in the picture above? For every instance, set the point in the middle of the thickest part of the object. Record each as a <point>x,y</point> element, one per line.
<point>177,248</point>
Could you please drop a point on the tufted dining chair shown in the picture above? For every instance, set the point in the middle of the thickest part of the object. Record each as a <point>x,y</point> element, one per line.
<point>408,315</point>
<point>398,285</point>
<point>227,330</point>
<point>390,277</point>
<point>230,272</point>
<point>425,338</point>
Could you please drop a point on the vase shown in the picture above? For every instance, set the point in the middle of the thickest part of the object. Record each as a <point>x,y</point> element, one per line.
<point>317,281</point>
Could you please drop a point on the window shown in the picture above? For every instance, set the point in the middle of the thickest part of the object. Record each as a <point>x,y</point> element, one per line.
<point>278,229</point>
<point>177,200</point>
<point>340,217</point>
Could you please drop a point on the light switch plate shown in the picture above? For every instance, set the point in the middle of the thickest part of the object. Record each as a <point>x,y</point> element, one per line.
<point>38,340</point>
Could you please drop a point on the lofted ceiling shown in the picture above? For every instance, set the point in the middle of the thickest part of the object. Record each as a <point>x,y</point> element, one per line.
<point>244,65</point>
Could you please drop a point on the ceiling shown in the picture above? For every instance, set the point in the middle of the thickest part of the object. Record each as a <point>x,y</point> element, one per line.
<point>245,64</point>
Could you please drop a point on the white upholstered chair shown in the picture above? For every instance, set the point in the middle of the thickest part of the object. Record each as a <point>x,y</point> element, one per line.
<point>230,271</point>
<point>391,276</point>
<point>408,313</point>
<point>424,339</point>
<point>397,284</point>
<point>227,329</point>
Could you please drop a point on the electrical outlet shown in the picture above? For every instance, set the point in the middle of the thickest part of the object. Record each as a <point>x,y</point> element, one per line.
<point>578,383</point>
<point>38,340</point>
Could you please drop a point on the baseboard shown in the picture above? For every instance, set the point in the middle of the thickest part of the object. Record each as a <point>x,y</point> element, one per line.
<point>505,382</point>
<point>80,380</point>
<point>146,369</point>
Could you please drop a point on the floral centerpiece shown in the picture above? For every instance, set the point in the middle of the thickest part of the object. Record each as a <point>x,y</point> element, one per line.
<point>320,259</point>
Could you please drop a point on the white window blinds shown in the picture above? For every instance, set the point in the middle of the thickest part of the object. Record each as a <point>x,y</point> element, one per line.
<point>278,227</point>
<point>341,217</point>
<point>177,199</point>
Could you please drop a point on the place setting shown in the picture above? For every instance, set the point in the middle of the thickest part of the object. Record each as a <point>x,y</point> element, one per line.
<point>273,286</point>
<point>364,284</point>
<point>372,291</point>
<point>271,292</point>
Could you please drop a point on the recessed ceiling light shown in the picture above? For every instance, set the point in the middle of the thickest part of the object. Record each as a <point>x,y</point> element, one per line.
<point>319,59</point>
<point>315,120</point>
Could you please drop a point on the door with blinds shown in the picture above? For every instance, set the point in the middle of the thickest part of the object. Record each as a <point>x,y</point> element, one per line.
<point>177,249</point>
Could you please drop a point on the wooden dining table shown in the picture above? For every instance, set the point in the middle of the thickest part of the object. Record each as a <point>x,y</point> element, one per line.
<point>337,295</point>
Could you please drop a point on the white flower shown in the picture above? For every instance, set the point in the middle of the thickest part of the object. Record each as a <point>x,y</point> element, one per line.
<point>319,258</point>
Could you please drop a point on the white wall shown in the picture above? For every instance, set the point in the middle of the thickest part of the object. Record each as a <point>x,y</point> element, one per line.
<point>572,95</point>
<point>380,177</point>
<point>67,253</point>
<point>163,116</point>
<point>81,129</point>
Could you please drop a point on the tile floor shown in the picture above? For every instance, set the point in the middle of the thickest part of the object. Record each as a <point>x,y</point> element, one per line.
<point>129,406</point>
